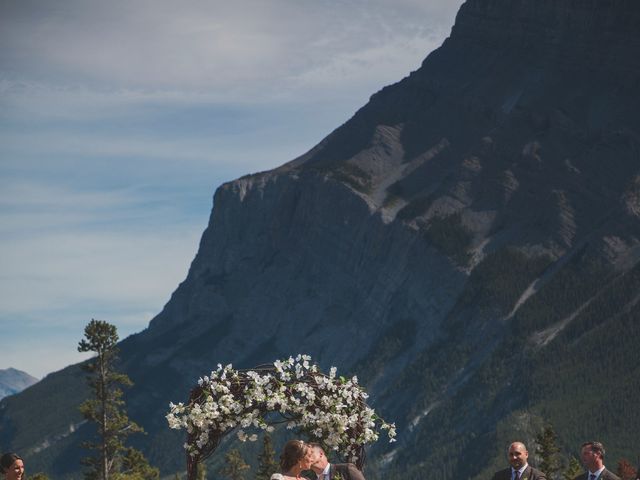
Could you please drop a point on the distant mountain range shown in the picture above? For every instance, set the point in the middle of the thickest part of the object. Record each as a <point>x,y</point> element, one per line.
<point>468,244</point>
<point>14,381</point>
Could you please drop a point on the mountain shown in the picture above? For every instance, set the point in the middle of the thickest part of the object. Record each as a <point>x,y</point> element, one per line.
<point>468,244</point>
<point>14,381</point>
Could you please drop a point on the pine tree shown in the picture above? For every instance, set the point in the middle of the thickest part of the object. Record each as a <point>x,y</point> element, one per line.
<point>573,469</point>
<point>106,409</point>
<point>548,451</point>
<point>38,476</point>
<point>234,466</point>
<point>267,466</point>
<point>135,466</point>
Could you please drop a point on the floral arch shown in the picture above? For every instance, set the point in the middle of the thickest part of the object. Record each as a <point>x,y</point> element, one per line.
<point>331,409</point>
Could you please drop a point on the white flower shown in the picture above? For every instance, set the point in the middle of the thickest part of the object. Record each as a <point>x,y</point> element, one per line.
<point>332,411</point>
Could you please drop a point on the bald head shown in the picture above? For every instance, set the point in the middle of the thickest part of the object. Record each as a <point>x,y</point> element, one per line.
<point>517,455</point>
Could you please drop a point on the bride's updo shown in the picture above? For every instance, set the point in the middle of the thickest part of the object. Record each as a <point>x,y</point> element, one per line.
<point>292,453</point>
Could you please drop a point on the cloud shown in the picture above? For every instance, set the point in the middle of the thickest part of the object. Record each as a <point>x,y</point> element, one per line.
<point>76,248</point>
<point>234,49</point>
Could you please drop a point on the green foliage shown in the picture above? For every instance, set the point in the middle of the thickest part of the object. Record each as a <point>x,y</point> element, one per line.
<point>500,279</point>
<point>572,470</point>
<point>548,451</point>
<point>136,467</point>
<point>353,176</point>
<point>37,476</point>
<point>106,409</point>
<point>569,289</point>
<point>415,208</point>
<point>234,465</point>
<point>596,353</point>
<point>390,200</point>
<point>450,236</point>
<point>266,460</point>
<point>393,343</point>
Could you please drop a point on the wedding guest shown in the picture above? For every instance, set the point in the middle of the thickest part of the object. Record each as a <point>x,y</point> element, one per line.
<point>519,467</point>
<point>295,457</point>
<point>12,466</point>
<point>327,471</point>
<point>592,455</point>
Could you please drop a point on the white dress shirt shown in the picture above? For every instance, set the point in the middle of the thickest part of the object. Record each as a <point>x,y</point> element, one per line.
<point>520,471</point>
<point>325,473</point>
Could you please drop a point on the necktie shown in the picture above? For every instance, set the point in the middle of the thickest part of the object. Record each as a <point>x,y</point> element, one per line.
<point>516,475</point>
<point>592,476</point>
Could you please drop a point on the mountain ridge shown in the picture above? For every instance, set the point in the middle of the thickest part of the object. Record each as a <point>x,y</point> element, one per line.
<point>13,381</point>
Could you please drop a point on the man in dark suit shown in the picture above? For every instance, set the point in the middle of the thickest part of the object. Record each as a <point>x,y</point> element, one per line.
<point>592,454</point>
<point>520,468</point>
<point>327,471</point>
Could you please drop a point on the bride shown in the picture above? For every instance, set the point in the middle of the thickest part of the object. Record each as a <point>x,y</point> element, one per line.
<point>296,457</point>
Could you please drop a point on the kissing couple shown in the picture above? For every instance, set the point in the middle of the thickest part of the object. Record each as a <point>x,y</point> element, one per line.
<point>298,456</point>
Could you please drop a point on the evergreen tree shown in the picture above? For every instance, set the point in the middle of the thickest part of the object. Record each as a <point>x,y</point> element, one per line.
<point>573,469</point>
<point>136,467</point>
<point>38,476</point>
<point>267,465</point>
<point>234,466</point>
<point>548,451</point>
<point>106,409</point>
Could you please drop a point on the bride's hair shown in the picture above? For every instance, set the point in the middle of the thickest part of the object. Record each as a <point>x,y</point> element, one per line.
<point>292,453</point>
<point>7,460</point>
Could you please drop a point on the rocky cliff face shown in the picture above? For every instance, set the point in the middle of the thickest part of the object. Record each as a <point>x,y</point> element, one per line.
<point>467,243</point>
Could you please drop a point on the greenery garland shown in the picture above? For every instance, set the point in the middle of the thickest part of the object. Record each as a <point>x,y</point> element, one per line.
<point>331,409</point>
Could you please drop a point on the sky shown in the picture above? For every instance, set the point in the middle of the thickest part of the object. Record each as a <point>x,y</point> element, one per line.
<point>119,119</point>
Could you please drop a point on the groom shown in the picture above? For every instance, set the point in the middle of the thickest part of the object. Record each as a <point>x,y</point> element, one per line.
<point>326,471</point>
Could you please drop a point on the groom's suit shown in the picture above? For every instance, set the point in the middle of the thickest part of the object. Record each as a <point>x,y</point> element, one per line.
<point>605,475</point>
<point>348,471</point>
<point>529,473</point>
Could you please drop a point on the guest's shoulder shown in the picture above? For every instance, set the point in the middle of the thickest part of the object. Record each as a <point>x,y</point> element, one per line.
<point>609,475</point>
<point>352,472</point>
<point>505,473</point>
<point>537,474</point>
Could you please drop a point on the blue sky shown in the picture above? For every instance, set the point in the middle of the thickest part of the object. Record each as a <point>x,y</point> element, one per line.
<point>119,119</point>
